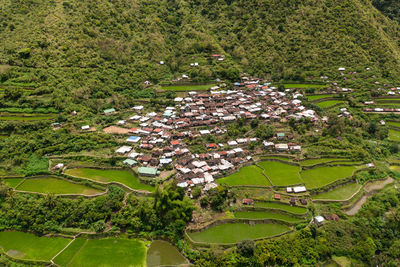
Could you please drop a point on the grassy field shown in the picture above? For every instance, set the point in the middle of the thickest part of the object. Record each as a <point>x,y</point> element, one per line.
<point>311,162</point>
<point>339,193</point>
<point>55,186</point>
<point>280,173</point>
<point>276,157</point>
<point>273,205</point>
<point>25,117</point>
<point>319,177</point>
<point>329,103</point>
<point>316,97</point>
<point>265,215</point>
<point>393,123</point>
<point>188,87</point>
<point>249,175</point>
<point>235,232</point>
<point>303,85</point>
<point>395,168</point>
<point>394,135</point>
<point>29,246</point>
<point>103,252</point>
<point>13,182</point>
<point>106,176</point>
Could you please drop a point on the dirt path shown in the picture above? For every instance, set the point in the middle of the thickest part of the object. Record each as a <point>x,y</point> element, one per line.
<point>370,189</point>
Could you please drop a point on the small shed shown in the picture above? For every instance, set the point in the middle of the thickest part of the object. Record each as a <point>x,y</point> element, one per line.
<point>277,197</point>
<point>248,201</point>
<point>109,111</point>
<point>318,220</point>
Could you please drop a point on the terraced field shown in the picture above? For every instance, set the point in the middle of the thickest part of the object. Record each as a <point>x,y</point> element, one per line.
<point>280,173</point>
<point>107,176</point>
<point>25,117</point>
<point>22,245</point>
<point>265,215</point>
<point>103,252</point>
<point>279,206</point>
<point>311,162</point>
<point>393,123</point>
<point>55,186</point>
<point>317,97</point>
<point>304,85</point>
<point>329,103</point>
<point>249,175</point>
<point>339,193</point>
<point>235,232</point>
<point>13,182</point>
<point>188,87</point>
<point>394,135</point>
<point>322,176</point>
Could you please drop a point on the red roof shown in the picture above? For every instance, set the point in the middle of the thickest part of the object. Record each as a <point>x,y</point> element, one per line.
<point>175,142</point>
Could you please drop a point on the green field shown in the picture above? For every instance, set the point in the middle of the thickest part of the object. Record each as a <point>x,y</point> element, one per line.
<point>106,176</point>
<point>304,85</point>
<point>395,168</point>
<point>103,252</point>
<point>393,123</point>
<point>188,87</point>
<point>55,186</point>
<point>394,135</point>
<point>329,103</point>
<point>265,215</point>
<point>319,177</point>
<point>29,246</point>
<point>235,232</point>
<point>339,193</point>
<point>25,117</point>
<point>280,173</point>
<point>279,206</point>
<point>13,182</point>
<point>276,157</point>
<point>249,175</point>
<point>388,104</point>
<point>316,97</point>
<point>311,162</point>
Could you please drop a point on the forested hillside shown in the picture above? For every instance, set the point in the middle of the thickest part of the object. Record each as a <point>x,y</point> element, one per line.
<point>92,49</point>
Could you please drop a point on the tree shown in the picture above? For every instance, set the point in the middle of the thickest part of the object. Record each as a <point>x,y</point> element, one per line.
<point>246,248</point>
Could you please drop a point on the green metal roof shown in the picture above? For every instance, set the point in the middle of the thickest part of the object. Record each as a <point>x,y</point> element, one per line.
<point>130,162</point>
<point>147,170</point>
<point>110,110</point>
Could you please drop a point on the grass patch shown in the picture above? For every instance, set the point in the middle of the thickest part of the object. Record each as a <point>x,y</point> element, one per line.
<point>25,117</point>
<point>265,215</point>
<point>250,175</point>
<point>235,232</point>
<point>319,177</point>
<point>277,157</point>
<point>393,123</point>
<point>304,85</point>
<point>311,162</point>
<point>329,103</point>
<point>279,206</point>
<point>110,252</point>
<point>22,245</point>
<point>317,97</point>
<point>107,176</point>
<point>66,256</point>
<point>280,173</point>
<point>12,182</point>
<point>56,186</point>
<point>188,87</point>
<point>394,135</point>
<point>339,193</point>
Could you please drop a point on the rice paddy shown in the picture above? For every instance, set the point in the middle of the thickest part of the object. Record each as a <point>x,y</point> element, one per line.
<point>329,103</point>
<point>317,97</point>
<point>311,162</point>
<point>280,173</point>
<point>394,135</point>
<point>234,232</point>
<point>25,117</point>
<point>304,85</point>
<point>249,175</point>
<point>279,206</point>
<point>339,193</point>
<point>322,176</point>
<point>107,176</point>
<point>188,87</point>
<point>13,182</point>
<point>393,123</point>
<point>56,186</point>
<point>265,215</point>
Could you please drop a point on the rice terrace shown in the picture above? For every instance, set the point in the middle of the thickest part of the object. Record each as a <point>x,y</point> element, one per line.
<point>200,133</point>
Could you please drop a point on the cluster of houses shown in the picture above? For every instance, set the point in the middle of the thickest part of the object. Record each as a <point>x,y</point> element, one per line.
<point>163,136</point>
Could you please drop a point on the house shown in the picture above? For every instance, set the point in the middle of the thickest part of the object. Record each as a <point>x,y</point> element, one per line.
<point>85,127</point>
<point>124,149</point>
<point>130,162</point>
<point>299,189</point>
<point>318,220</point>
<point>277,197</point>
<point>281,147</point>
<point>248,201</point>
<point>292,201</point>
<point>109,111</point>
<point>147,171</point>
<point>133,139</point>
<point>280,136</point>
<point>212,145</point>
<point>303,201</point>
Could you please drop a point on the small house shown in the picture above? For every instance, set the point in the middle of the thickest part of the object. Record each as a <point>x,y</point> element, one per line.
<point>109,111</point>
<point>130,162</point>
<point>292,201</point>
<point>277,197</point>
<point>147,171</point>
<point>248,201</point>
<point>318,220</point>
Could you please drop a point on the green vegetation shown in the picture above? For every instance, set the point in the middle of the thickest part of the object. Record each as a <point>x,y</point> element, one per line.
<point>235,232</point>
<point>339,193</point>
<point>265,215</point>
<point>162,253</point>
<point>13,182</point>
<point>249,175</point>
<point>276,157</point>
<point>319,177</point>
<point>329,103</point>
<point>25,117</point>
<point>393,123</point>
<point>280,173</point>
<point>188,87</point>
<point>279,206</point>
<point>304,85</point>
<point>55,186</point>
<point>317,97</point>
<point>22,245</point>
<point>66,256</point>
<point>394,135</point>
<point>107,176</point>
<point>311,162</point>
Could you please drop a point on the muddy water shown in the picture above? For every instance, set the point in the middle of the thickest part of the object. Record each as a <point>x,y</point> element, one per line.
<point>162,253</point>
